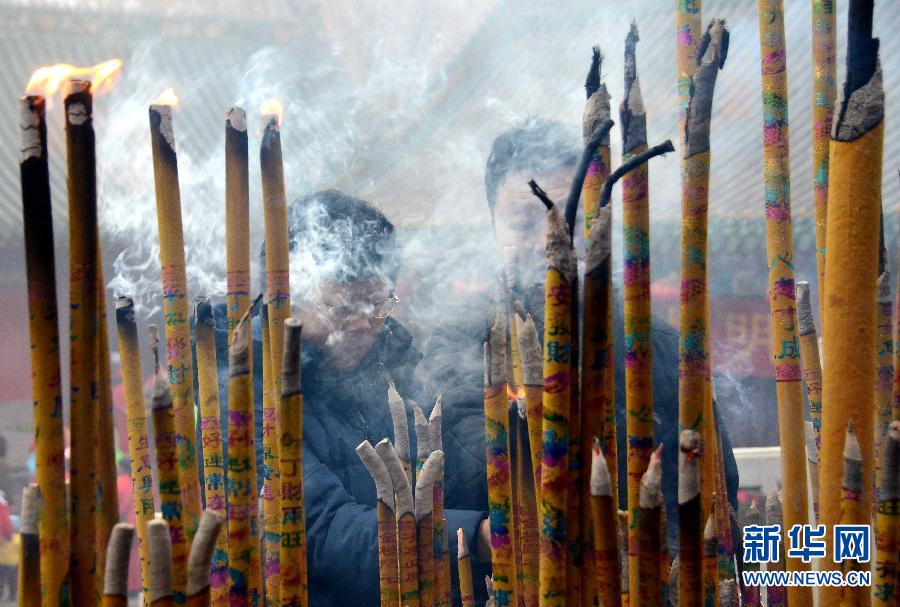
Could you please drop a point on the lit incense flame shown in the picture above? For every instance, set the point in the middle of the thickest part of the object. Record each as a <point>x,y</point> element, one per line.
<point>46,80</point>
<point>167,97</point>
<point>272,107</point>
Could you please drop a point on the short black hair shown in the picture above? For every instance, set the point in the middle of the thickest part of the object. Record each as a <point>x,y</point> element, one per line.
<point>347,239</point>
<point>538,145</point>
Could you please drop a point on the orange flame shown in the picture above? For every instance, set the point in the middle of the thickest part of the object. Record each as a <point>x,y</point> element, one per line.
<point>167,97</point>
<point>47,80</point>
<point>272,107</point>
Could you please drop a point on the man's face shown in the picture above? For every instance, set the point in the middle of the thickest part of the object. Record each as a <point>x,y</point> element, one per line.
<point>520,222</point>
<point>346,319</point>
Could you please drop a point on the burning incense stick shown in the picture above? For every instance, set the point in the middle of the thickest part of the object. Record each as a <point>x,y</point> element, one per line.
<point>599,136</point>
<point>83,321</point>
<point>499,481</point>
<point>854,212</point>
<point>294,575</point>
<point>206,540</point>
<point>603,519</point>
<point>401,428</point>
<point>647,570</point>
<point>887,522</point>
<point>44,331</point>
<point>776,595</point>
<point>138,442</point>
<point>780,252</point>
<point>596,112</point>
<point>406,525</point>
<point>387,524</point>
<point>29,580</point>
<point>243,542</point>
<point>115,584</point>
<point>237,217</point>
<point>175,311</point>
<point>710,562</point>
<point>160,542</point>
<point>690,550</point>
<point>443,595</point>
<point>165,437</point>
<point>464,569</point>
<point>884,373</point>
<point>824,57</point>
<point>425,526</point>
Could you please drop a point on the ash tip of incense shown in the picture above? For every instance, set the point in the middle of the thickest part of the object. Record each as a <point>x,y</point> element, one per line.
<point>689,445</point>
<point>592,81</point>
<point>600,244</point>
<point>384,487</point>
<point>853,474</point>
<point>77,86</point>
<point>425,483</point>
<point>496,351</point>
<point>812,452</point>
<point>710,531</point>
<point>201,553</point>
<point>32,504</point>
<point>402,489</point>
<point>423,438</point>
<point>728,593</point>
<point>435,422</point>
<point>462,546</point>
<point>166,127</point>
<point>650,495</point>
<point>238,350</point>
<point>203,310</point>
<point>161,395</point>
<point>710,59</point>
<point>123,301</point>
<point>118,548</point>
<point>398,418</point>
<point>774,514</point>
<point>160,551</point>
<point>753,514</point>
<point>530,351</point>
<point>851,444</point>
<point>884,287</point>
<point>541,195</point>
<point>560,254</point>
<point>236,118</point>
<point>805,323</point>
<point>601,484</point>
<point>596,110</point>
<point>31,115</point>
<point>715,41</point>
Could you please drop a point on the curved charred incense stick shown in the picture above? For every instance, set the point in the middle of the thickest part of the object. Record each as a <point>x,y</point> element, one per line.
<point>177,328</point>
<point>401,428</point>
<point>464,569</point>
<point>293,556</point>
<point>779,251</point>
<point>425,526</point>
<point>647,569</point>
<point>237,220</point>
<point>115,583</point>
<point>499,481</point>
<point>407,549</point>
<point>29,579</point>
<point>83,322</point>
<point>138,443</point>
<point>710,561</point>
<point>598,137</point>
<point>887,521</point>
<point>634,162</point>
<point>243,508</point>
<point>158,537</point>
<point>387,524</point>
<point>774,516</point>
<point>603,518</point>
<point>850,323</point>
<point>200,558</point>
<point>44,332</point>
<point>690,551</point>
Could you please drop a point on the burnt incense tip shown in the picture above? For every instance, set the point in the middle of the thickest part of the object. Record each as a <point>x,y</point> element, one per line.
<point>160,551</point>
<point>853,475</point>
<point>600,242</point>
<point>462,545</point>
<point>710,59</point>
<point>650,495</point>
<point>812,452</point>
<point>434,465</point>
<point>398,419</point>
<point>753,514</point>
<point>861,100</point>
<point>384,487</point>
<point>596,112</point>
<point>435,421</point>
<point>592,81</point>
<point>774,514</point>
<point>201,553</point>
<point>161,396</point>
<point>118,550</point>
<point>291,368</point>
<point>402,488</point>
<point>530,352</point>
<point>203,313</point>
<point>560,254</point>
<point>601,484</point>
<point>884,287</point>
<point>805,324</point>
<point>423,438</point>
<point>32,504</point>
<point>31,127</point>
<point>710,531</point>
<point>715,42</point>
<point>161,120</point>
<point>541,195</point>
<point>689,445</point>
<point>496,351</point>
<point>236,118</point>
<point>238,350</point>
<point>77,86</point>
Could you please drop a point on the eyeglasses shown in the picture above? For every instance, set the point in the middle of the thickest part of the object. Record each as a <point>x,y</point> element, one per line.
<point>376,308</point>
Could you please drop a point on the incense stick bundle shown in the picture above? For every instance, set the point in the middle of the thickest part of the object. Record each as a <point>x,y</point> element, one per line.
<point>401,428</point>
<point>690,550</point>
<point>389,582</point>
<point>199,590</point>
<point>83,322</point>
<point>177,328</point>
<point>165,438</point>
<point>443,593</point>
<point>887,522</point>
<point>425,526</point>
<point>43,327</point>
<point>824,59</point>
<point>464,570</point>
<point>115,583</point>
<point>406,525</point>
<point>29,578</point>
<point>159,539</point>
<point>854,212</point>
<point>776,595</point>
<point>138,441</point>
<point>243,507</point>
<point>499,480</point>
<point>647,570</point>
<point>533,380</point>
<point>603,518</point>
<point>751,596</point>
<point>237,217</point>
<point>780,252</point>
<point>710,562</point>
<point>292,559</point>
<point>884,371</point>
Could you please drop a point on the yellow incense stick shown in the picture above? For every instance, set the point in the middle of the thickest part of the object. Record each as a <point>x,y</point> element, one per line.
<point>690,551</point>
<point>464,569</point>
<point>425,526</point>
<point>604,521</point>
<point>389,583</point>
<point>647,569</point>
<point>161,593</point>
<point>406,525</point>
<point>887,523</point>
<point>884,373</point>
<point>29,577</point>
